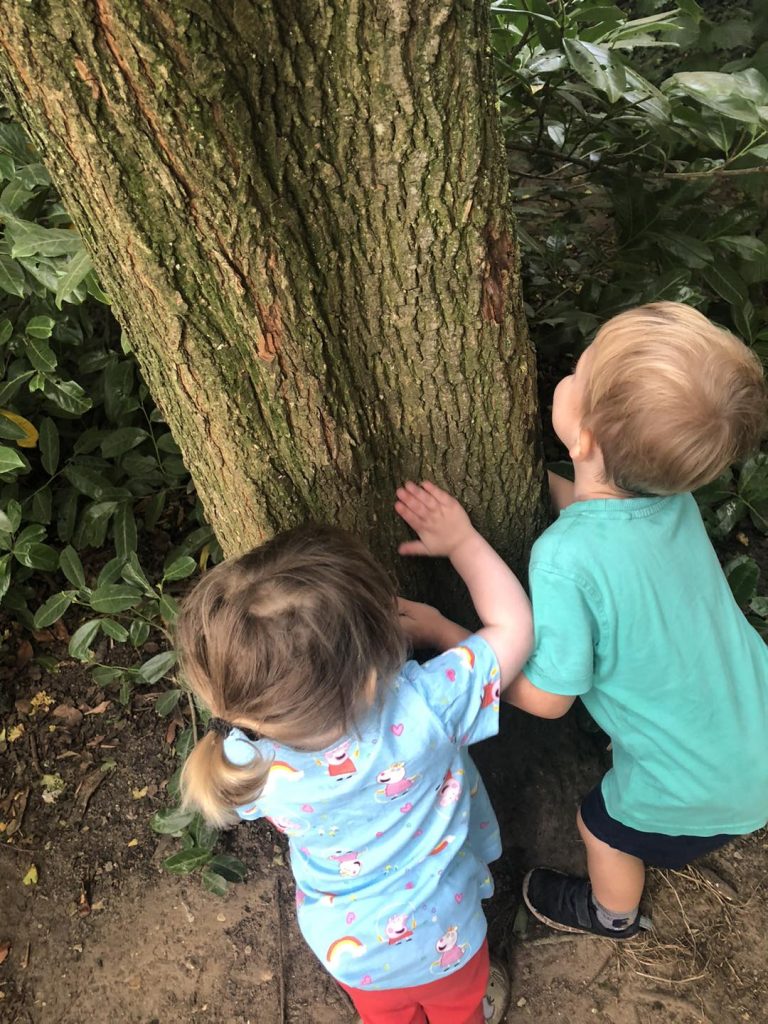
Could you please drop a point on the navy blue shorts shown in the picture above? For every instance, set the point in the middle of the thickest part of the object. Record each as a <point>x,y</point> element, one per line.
<point>656,849</point>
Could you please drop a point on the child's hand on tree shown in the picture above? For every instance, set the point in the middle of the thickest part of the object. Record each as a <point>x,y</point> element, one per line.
<point>440,521</point>
<point>420,622</point>
<point>425,626</point>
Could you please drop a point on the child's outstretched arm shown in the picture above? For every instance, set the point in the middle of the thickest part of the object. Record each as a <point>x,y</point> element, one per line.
<point>522,694</point>
<point>444,530</point>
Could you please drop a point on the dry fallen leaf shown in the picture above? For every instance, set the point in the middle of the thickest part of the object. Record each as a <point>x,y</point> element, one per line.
<point>24,653</point>
<point>139,794</point>
<point>134,842</point>
<point>60,631</point>
<point>5,949</point>
<point>31,876</point>
<point>15,733</point>
<point>68,714</point>
<point>99,709</point>
<point>40,702</point>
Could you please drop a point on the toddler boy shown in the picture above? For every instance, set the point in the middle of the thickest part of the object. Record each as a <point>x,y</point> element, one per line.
<point>633,614</point>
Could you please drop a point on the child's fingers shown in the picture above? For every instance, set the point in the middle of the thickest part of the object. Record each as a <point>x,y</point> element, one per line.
<point>414,513</point>
<point>413,547</point>
<point>418,494</point>
<point>411,515</point>
<point>440,496</point>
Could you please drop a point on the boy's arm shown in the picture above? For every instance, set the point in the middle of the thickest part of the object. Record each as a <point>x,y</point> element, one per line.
<point>521,693</point>
<point>560,491</point>
<point>500,601</point>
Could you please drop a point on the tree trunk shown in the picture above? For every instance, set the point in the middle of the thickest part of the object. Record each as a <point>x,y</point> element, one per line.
<point>299,210</point>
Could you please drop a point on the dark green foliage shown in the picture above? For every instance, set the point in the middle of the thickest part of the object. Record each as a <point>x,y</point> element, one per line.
<point>630,176</point>
<point>86,462</point>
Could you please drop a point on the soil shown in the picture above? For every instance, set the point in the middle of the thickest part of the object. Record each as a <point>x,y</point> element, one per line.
<point>107,936</point>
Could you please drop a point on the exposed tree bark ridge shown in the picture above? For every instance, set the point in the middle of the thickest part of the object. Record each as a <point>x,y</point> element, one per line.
<point>299,210</point>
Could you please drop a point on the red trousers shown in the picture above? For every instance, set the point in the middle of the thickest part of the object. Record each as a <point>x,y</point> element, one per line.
<point>457,999</point>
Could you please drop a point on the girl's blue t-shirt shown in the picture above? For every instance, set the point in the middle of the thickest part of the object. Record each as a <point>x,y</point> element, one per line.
<point>390,829</point>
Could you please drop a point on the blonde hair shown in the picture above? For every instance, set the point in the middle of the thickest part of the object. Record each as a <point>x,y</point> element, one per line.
<point>671,399</point>
<point>285,639</point>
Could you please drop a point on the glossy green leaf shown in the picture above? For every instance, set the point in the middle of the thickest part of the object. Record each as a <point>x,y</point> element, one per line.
<point>118,442</point>
<point>184,861</point>
<point>742,574</point>
<point>111,571</point>
<point>203,834</point>
<point>229,867</point>
<point>77,269</point>
<point>10,460</point>
<point>124,530</point>
<point>114,597</point>
<point>37,556</point>
<point>49,445</point>
<point>158,666</point>
<point>53,609</point>
<point>72,567</point>
<point>171,820</point>
<point>167,701</point>
<point>214,882</point>
<point>41,355</point>
<point>5,574</point>
<point>40,327</point>
<point>600,67</point>
<point>726,282</point>
<point>139,632</point>
<point>11,276</point>
<point>82,638</point>
<point>180,568</point>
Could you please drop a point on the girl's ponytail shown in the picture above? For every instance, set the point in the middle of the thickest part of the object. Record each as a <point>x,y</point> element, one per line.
<point>214,786</point>
<point>291,640</point>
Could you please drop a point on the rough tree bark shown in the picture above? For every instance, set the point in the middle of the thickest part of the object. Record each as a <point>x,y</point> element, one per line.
<point>299,209</point>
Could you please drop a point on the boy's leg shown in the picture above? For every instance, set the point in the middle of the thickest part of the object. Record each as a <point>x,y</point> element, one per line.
<point>617,878</point>
<point>606,903</point>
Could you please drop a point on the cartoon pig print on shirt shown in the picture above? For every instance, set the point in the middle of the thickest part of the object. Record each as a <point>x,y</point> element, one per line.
<point>340,764</point>
<point>450,791</point>
<point>397,929</point>
<point>349,863</point>
<point>395,781</point>
<point>448,948</point>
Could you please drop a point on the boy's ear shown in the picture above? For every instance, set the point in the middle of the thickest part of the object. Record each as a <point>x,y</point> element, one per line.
<point>584,446</point>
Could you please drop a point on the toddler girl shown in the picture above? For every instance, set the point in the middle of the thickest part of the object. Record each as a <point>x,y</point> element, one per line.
<point>358,756</point>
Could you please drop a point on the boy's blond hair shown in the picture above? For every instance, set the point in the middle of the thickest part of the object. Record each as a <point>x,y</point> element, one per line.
<point>671,399</point>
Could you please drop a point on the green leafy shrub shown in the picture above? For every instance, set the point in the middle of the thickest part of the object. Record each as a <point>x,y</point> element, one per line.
<point>632,183</point>
<point>86,461</point>
<point>639,152</point>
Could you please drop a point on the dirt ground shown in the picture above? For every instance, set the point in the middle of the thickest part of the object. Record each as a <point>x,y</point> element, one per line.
<point>106,936</point>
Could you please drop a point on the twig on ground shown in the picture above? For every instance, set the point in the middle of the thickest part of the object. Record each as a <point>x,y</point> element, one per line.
<point>280,965</point>
<point>85,791</point>
<point>33,754</point>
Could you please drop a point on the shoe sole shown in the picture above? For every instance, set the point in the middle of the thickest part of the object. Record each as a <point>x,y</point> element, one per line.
<point>500,980</point>
<point>558,927</point>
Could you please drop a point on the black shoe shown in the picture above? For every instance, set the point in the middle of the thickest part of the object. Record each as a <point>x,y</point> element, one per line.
<point>565,903</point>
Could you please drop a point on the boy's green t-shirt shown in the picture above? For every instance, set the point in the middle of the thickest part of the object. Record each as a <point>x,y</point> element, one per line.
<point>632,612</point>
